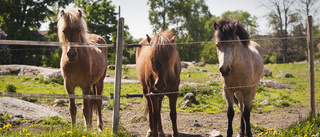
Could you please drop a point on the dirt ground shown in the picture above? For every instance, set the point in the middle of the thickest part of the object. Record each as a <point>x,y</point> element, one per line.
<point>280,118</point>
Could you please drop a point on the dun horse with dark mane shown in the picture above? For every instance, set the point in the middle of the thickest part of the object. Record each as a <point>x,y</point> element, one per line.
<point>83,67</point>
<point>158,70</point>
<point>241,67</point>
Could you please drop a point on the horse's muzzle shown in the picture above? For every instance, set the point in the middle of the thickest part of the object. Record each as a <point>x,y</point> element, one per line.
<point>160,87</point>
<point>72,56</point>
<point>225,71</point>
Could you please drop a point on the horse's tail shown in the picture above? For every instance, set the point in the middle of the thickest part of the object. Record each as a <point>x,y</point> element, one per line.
<point>94,102</point>
<point>146,108</point>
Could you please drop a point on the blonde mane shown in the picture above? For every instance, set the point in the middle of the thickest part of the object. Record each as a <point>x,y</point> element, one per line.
<point>72,18</point>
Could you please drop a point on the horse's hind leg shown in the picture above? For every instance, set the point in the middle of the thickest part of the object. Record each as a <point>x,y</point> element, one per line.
<point>173,113</point>
<point>150,109</point>
<point>87,110</point>
<point>72,104</point>
<point>98,103</point>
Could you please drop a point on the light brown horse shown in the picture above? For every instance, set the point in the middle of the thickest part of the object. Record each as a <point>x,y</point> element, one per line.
<point>158,70</point>
<point>83,67</point>
<point>240,64</point>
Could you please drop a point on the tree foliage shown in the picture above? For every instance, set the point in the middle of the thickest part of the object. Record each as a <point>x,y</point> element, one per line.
<point>21,20</point>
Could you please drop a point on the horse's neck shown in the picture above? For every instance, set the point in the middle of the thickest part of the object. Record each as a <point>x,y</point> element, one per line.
<point>240,55</point>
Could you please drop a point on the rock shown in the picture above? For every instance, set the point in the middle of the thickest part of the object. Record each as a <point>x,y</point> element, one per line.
<point>27,110</point>
<point>206,106</point>
<point>273,84</point>
<point>59,102</point>
<point>28,71</point>
<point>267,72</point>
<point>214,133</point>
<point>203,70</point>
<point>125,77</point>
<point>56,74</point>
<point>188,75</point>
<point>78,103</point>
<point>112,67</point>
<point>105,103</point>
<point>285,75</point>
<point>185,104</point>
<point>196,69</point>
<point>190,97</point>
<point>184,65</point>
<point>196,124</point>
<point>201,63</point>
<point>107,75</point>
<point>264,102</point>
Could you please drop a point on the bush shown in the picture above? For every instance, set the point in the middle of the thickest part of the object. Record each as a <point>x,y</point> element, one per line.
<point>10,88</point>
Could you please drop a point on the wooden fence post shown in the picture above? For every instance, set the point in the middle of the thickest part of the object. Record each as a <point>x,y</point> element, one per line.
<point>117,81</point>
<point>311,65</point>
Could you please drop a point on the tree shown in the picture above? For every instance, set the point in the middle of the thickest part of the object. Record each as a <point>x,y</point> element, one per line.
<point>186,19</point>
<point>100,16</point>
<point>21,20</point>
<point>280,17</point>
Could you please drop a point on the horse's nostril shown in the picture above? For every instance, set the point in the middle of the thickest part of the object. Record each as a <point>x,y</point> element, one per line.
<point>225,71</point>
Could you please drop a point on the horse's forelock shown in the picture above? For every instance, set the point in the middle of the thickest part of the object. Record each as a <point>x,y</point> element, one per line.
<point>72,18</point>
<point>230,28</point>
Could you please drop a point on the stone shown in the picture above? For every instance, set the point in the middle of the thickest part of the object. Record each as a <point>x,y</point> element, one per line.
<point>285,75</point>
<point>185,104</point>
<point>190,97</point>
<point>264,102</point>
<point>59,102</point>
<point>184,65</point>
<point>214,133</point>
<point>105,103</point>
<point>267,72</point>
<point>188,75</point>
<point>112,67</point>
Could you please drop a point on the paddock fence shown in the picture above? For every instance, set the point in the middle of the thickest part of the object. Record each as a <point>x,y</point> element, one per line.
<point>119,45</point>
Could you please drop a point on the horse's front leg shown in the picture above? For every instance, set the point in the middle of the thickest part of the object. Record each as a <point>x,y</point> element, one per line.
<point>155,115</point>
<point>160,130</point>
<point>150,110</point>
<point>87,104</point>
<point>230,111</point>
<point>72,105</point>
<point>173,114</point>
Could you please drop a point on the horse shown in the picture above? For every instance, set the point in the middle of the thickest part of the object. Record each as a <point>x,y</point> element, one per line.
<point>83,67</point>
<point>158,69</point>
<point>241,67</point>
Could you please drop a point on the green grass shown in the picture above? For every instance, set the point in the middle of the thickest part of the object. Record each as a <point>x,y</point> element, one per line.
<point>54,127</point>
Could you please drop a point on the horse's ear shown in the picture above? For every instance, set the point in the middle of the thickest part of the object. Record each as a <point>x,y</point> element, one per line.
<point>61,12</point>
<point>80,13</point>
<point>148,38</point>
<point>236,25</point>
<point>215,26</point>
<point>173,39</point>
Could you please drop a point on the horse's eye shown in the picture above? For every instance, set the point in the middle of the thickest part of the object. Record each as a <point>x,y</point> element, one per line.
<point>79,32</point>
<point>63,31</point>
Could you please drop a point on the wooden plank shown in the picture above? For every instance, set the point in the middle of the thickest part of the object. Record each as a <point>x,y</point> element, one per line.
<point>311,65</point>
<point>117,81</point>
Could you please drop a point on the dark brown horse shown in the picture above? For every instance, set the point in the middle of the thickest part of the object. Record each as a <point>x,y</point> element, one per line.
<point>158,70</point>
<point>83,67</point>
<point>241,65</point>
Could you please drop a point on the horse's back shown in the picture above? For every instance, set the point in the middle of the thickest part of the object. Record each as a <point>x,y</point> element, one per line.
<point>257,58</point>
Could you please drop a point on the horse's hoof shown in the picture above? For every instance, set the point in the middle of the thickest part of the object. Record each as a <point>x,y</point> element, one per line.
<point>149,133</point>
<point>161,134</point>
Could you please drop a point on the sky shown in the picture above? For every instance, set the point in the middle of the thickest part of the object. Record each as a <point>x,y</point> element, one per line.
<point>135,14</point>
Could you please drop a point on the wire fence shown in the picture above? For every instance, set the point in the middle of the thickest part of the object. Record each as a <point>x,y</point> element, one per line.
<point>64,96</point>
